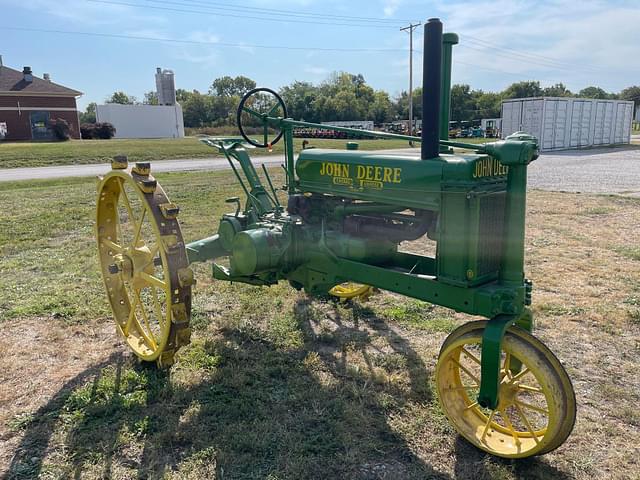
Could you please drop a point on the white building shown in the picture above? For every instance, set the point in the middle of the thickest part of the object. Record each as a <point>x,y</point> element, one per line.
<point>147,121</point>
<point>143,121</point>
<point>563,122</point>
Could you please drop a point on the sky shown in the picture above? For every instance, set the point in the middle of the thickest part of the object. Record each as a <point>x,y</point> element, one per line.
<point>117,44</point>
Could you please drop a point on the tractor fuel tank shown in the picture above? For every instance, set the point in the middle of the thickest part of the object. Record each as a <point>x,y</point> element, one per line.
<point>401,180</point>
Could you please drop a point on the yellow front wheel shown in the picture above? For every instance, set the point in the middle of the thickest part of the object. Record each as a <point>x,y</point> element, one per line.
<point>350,290</point>
<point>537,407</point>
<point>143,262</point>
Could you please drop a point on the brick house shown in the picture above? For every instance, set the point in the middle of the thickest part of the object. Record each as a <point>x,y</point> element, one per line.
<point>29,103</point>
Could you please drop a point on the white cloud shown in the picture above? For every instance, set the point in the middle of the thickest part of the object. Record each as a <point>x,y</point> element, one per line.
<point>390,7</point>
<point>247,48</point>
<point>147,33</point>
<point>316,70</point>
<point>205,37</point>
<point>205,59</point>
<point>551,41</point>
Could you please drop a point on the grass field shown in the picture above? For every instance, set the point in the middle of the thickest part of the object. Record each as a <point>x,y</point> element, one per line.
<point>79,152</point>
<point>279,386</point>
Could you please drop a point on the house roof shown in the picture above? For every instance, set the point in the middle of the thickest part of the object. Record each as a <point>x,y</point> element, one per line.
<point>12,82</point>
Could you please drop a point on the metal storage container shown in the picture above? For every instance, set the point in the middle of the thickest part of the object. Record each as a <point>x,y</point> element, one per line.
<point>563,122</point>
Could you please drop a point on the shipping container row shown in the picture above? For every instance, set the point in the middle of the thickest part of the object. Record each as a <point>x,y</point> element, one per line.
<point>565,123</point>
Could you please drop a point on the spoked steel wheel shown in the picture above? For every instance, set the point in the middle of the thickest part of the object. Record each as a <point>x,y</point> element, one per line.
<point>537,408</point>
<point>349,290</point>
<point>143,262</point>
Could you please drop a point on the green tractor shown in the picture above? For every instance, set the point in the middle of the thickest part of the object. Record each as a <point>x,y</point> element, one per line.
<point>346,214</point>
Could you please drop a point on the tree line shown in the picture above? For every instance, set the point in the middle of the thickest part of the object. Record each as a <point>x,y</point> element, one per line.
<point>345,96</point>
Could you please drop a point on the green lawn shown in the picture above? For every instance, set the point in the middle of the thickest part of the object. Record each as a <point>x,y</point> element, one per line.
<point>75,152</point>
<point>277,385</point>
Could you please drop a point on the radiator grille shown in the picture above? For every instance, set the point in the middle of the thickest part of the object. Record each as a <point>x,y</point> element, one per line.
<point>491,233</point>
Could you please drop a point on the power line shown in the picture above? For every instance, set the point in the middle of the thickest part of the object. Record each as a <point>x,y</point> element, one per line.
<point>245,17</point>
<point>410,29</point>
<point>517,58</point>
<point>528,54</point>
<point>198,42</point>
<point>561,64</point>
<point>276,11</point>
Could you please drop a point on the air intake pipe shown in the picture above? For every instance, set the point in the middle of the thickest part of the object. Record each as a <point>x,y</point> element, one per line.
<point>431,87</point>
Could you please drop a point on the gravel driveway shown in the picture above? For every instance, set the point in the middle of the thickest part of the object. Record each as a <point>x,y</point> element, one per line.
<point>597,170</point>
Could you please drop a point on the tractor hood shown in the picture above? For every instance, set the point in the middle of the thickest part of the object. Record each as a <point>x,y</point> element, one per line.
<point>404,180</point>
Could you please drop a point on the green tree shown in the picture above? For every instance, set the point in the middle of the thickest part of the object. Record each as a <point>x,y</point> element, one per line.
<point>525,89</point>
<point>488,104</point>
<point>223,110</point>
<point>89,115</point>
<point>121,98</point>
<point>197,110</point>
<point>381,109</point>
<point>401,105</point>
<point>299,98</point>
<point>631,93</point>
<point>462,103</point>
<point>183,95</point>
<point>557,90</point>
<point>343,96</point>
<point>593,92</point>
<point>150,98</point>
<point>228,86</point>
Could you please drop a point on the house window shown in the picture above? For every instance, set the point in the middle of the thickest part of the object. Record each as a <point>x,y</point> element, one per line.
<point>40,126</point>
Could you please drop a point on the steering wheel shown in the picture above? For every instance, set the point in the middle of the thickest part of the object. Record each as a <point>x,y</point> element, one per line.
<point>259,106</point>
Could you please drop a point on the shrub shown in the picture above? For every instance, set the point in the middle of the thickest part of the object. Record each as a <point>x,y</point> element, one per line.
<point>60,128</point>
<point>87,130</point>
<point>103,131</point>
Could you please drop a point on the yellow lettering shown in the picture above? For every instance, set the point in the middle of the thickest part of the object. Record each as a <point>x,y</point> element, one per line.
<point>361,172</point>
<point>369,172</point>
<point>396,175</point>
<point>322,170</point>
<point>387,174</point>
<point>489,167</point>
<point>378,175</point>
<point>345,170</point>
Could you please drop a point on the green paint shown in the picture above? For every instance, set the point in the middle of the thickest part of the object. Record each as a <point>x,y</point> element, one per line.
<point>349,210</point>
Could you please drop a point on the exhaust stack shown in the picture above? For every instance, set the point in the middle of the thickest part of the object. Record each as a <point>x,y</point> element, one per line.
<point>431,88</point>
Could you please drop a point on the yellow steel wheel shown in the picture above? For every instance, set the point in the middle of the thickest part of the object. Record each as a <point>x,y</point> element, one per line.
<point>349,290</point>
<point>144,263</point>
<point>537,406</point>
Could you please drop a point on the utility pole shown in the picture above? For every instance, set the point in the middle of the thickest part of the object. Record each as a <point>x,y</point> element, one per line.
<point>410,29</point>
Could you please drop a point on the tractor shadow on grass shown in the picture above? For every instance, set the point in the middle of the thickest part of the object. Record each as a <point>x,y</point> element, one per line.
<point>473,463</point>
<point>240,406</point>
